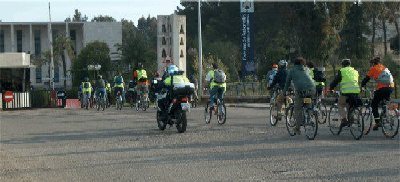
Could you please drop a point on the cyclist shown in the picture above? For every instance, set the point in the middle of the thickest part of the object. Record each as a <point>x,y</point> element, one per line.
<point>119,85</point>
<point>303,85</point>
<point>216,79</point>
<point>140,76</point>
<point>86,91</point>
<point>108,91</point>
<point>317,74</point>
<point>384,87</point>
<point>347,77</point>
<point>100,87</point>
<point>271,74</point>
<point>280,80</point>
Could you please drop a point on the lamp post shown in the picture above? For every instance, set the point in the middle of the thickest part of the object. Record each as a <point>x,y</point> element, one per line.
<point>51,52</point>
<point>200,52</point>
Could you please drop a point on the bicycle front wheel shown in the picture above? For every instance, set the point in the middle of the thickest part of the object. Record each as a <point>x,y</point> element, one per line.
<point>221,117</point>
<point>334,120</point>
<point>207,114</point>
<point>290,121</point>
<point>322,113</point>
<point>390,123</point>
<point>310,124</point>
<point>357,123</point>
<point>273,114</point>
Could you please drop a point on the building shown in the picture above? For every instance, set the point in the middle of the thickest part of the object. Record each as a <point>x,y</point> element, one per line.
<point>171,40</point>
<point>33,38</point>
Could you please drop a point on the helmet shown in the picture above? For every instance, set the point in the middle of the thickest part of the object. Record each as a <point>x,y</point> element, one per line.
<point>346,62</point>
<point>172,69</point>
<point>274,66</point>
<point>99,77</point>
<point>283,63</point>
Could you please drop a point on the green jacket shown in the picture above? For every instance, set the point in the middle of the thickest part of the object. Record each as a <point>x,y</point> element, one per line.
<point>300,76</point>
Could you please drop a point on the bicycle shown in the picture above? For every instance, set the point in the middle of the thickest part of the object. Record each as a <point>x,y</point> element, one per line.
<point>118,102</point>
<point>390,127</point>
<point>142,102</point>
<point>354,115</point>
<point>310,123</point>
<point>322,111</point>
<point>86,100</point>
<point>274,114</point>
<point>221,112</point>
<point>101,101</point>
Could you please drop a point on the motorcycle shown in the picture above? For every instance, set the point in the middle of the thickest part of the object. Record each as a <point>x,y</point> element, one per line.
<point>178,106</point>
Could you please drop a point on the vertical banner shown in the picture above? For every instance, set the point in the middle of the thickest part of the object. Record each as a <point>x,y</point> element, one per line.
<point>247,36</point>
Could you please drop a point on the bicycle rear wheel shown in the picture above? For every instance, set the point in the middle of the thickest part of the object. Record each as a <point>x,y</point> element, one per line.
<point>290,121</point>
<point>334,120</point>
<point>357,123</point>
<point>221,117</point>
<point>311,124</point>
<point>390,124</point>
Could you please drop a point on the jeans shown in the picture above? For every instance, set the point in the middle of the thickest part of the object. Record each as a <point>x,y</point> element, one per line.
<point>86,97</point>
<point>380,95</point>
<point>101,91</point>
<point>216,92</point>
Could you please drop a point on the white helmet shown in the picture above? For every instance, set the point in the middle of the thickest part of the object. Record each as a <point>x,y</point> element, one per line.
<point>282,63</point>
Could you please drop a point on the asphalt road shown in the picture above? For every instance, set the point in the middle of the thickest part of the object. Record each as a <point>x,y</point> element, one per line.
<point>80,145</point>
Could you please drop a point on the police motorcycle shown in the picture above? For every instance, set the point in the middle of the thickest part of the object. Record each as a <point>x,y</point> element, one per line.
<point>173,104</point>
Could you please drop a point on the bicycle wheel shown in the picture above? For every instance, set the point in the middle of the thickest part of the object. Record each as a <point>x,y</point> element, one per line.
<point>334,120</point>
<point>322,113</point>
<point>357,123</point>
<point>273,114</point>
<point>207,114</point>
<point>311,124</point>
<point>144,105</point>
<point>290,121</point>
<point>390,123</point>
<point>221,117</point>
<point>368,119</point>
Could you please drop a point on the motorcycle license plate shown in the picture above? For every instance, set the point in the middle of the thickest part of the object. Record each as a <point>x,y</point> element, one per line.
<point>185,106</point>
<point>307,100</point>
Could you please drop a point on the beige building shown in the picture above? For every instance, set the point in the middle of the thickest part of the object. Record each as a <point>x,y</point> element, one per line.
<point>33,38</point>
<point>171,40</point>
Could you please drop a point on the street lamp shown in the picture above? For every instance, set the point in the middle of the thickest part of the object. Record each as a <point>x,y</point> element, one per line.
<point>200,52</point>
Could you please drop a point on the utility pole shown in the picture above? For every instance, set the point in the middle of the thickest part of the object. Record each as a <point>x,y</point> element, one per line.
<point>200,52</point>
<point>51,52</point>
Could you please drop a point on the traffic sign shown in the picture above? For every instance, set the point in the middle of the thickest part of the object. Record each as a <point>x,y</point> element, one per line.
<point>8,96</point>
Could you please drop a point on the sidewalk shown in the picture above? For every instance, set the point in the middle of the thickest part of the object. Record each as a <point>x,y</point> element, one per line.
<point>248,105</point>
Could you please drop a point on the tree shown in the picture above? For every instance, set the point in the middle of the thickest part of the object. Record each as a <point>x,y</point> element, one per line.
<point>94,53</point>
<point>104,18</point>
<point>77,17</point>
<point>62,47</point>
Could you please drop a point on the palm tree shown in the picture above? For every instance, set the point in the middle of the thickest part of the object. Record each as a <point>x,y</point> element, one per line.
<point>62,47</point>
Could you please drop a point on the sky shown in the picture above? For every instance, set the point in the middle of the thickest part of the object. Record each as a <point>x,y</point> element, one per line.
<point>37,10</point>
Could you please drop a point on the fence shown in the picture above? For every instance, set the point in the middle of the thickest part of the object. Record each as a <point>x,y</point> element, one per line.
<point>247,89</point>
<point>21,100</point>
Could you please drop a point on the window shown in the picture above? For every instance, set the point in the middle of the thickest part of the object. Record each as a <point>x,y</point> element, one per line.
<point>72,35</point>
<point>181,54</point>
<point>182,43</point>
<point>38,46</point>
<point>164,54</point>
<point>56,73</point>
<point>164,42</point>
<point>164,29</point>
<point>182,31</point>
<point>38,71</point>
<point>19,40</point>
<point>1,40</point>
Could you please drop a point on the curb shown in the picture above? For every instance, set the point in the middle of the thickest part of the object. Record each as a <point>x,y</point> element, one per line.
<point>247,105</point>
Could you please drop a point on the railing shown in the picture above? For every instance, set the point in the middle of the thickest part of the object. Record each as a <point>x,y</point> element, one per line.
<point>247,89</point>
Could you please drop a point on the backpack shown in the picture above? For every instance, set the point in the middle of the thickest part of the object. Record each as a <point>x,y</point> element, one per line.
<point>219,76</point>
<point>385,77</point>
<point>271,76</point>
<point>319,76</point>
<point>86,85</point>
<point>118,80</point>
